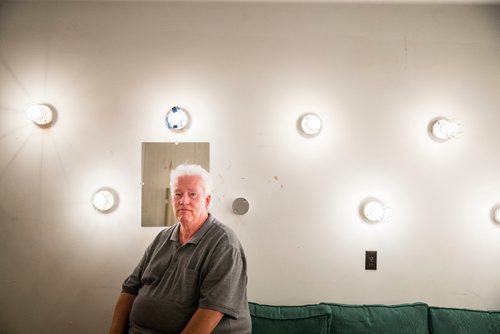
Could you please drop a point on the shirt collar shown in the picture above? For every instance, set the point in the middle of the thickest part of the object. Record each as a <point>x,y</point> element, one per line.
<point>198,235</point>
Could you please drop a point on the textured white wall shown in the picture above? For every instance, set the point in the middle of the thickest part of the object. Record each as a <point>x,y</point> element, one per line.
<point>376,74</point>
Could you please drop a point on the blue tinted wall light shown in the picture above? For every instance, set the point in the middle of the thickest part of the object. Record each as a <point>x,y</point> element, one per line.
<point>176,118</point>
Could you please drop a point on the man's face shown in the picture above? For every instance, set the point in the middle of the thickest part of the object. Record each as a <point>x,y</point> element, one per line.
<point>190,202</point>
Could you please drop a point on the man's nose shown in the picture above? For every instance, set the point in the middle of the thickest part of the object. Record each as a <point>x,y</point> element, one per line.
<point>184,199</point>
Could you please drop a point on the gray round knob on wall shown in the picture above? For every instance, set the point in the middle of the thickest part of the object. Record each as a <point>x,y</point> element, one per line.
<point>240,206</point>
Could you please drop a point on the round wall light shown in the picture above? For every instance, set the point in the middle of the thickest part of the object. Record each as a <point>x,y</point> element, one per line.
<point>40,114</point>
<point>177,118</point>
<point>375,211</point>
<point>240,206</point>
<point>104,200</point>
<point>310,124</point>
<point>497,215</point>
<point>444,129</point>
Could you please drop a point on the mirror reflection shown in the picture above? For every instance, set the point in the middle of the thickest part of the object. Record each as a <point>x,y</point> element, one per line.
<point>158,159</point>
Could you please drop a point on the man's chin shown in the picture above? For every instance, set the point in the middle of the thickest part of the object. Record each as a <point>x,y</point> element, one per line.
<point>184,217</point>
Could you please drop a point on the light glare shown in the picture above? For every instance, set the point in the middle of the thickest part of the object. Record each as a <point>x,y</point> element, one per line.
<point>103,200</point>
<point>40,114</point>
<point>445,129</point>
<point>375,211</point>
<point>311,124</point>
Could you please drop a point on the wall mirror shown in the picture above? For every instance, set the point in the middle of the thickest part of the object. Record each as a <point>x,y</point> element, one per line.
<point>158,159</point>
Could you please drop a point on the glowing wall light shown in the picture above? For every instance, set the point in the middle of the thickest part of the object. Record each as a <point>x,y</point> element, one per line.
<point>375,211</point>
<point>444,129</point>
<point>104,200</point>
<point>310,124</point>
<point>40,114</point>
<point>177,118</point>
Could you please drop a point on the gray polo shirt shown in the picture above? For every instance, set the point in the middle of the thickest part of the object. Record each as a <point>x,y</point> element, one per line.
<point>172,281</point>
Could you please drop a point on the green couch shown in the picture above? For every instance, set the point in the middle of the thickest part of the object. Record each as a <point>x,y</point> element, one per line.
<point>330,318</point>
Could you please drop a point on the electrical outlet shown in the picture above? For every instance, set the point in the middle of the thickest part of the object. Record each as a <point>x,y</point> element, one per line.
<point>371,260</point>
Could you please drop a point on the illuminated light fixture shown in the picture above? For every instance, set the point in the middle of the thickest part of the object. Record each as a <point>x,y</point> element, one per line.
<point>444,129</point>
<point>310,124</point>
<point>375,211</point>
<point>176,118</point>
<point>40,114</point>
<point>497,215</point>
<point>103,200</point>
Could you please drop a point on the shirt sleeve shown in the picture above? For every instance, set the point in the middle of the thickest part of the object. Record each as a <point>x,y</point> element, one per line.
<point>133,283</point>
<point>224,285</point>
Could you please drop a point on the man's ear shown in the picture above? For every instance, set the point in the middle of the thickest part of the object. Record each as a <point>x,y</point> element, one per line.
<point>207,200</point>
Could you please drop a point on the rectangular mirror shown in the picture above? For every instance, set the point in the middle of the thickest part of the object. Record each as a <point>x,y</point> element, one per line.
<point>158,159</point>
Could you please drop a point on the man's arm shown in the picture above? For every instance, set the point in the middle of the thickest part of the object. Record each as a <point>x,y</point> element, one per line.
<point>120,321</point>
<point>203,321</point>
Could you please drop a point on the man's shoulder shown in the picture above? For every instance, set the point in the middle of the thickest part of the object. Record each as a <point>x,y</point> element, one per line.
<point>167,231</point>
<point>164,234</point>
<point>225,233</point>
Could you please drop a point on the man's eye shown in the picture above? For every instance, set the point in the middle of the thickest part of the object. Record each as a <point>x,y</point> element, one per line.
<point>177,195</point>
<point>193,195</point>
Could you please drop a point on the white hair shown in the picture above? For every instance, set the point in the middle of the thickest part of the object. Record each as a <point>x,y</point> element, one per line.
<point>192,170</point>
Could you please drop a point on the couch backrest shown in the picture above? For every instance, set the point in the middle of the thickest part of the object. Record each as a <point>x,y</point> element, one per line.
<point>463,321</point>
<point>384,319</point>
<point>332,318</point>
<point>306,319</point>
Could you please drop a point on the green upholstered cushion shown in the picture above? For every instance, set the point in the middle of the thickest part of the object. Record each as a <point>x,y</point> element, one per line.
<point>307,319</point>
<point>463,321</point>
<point>371,319</point>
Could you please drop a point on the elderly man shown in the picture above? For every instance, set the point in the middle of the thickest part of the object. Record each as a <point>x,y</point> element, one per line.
<point>192,278</point>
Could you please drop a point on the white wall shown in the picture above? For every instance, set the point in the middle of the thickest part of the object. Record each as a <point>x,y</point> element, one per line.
<point>376,74</point>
